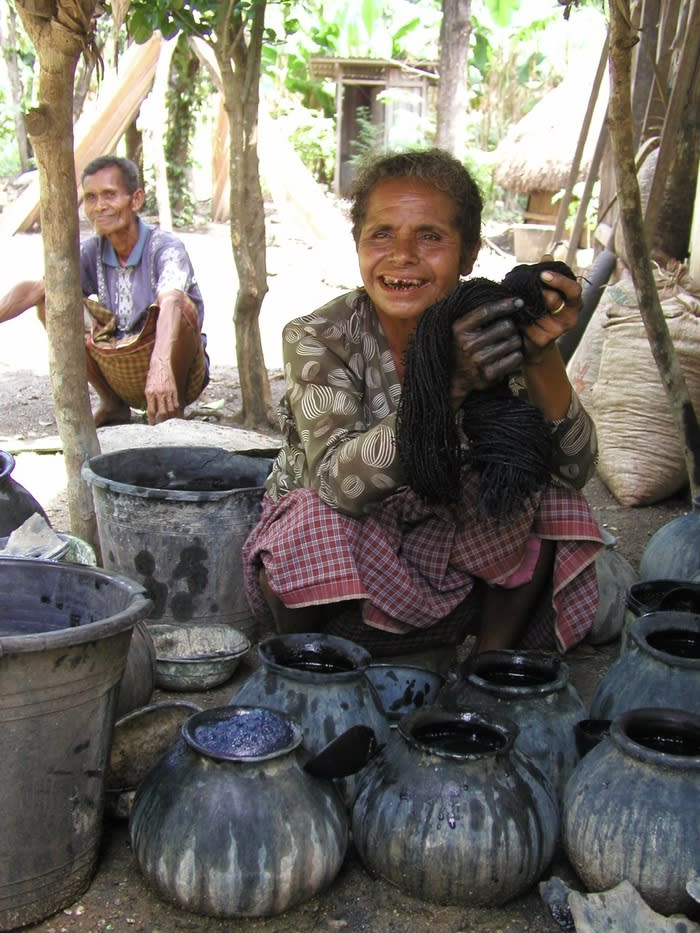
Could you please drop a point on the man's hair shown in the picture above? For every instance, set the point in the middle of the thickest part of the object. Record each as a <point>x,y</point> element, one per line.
<point>127,169</point>
<point>432,165</point>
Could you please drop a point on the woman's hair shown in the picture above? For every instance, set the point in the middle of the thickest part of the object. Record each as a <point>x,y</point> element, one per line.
<point>432,165</point>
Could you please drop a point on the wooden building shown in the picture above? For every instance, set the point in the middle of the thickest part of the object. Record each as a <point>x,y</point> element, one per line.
<point>397,98</point>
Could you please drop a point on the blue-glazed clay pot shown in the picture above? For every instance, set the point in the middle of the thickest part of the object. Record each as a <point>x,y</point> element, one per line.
<point>452,812</point>
<point>17,504</point>
<point>533,690</point>
<point>630,808</point>
<point>674,550</point>
<point>660,668</point>
<point>319,681</point>
<point>229,824</point>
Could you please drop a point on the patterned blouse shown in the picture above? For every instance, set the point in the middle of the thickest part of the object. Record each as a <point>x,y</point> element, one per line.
<point>338,414</point>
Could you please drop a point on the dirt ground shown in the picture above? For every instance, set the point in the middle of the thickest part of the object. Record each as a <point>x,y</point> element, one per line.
<point>118,898</point>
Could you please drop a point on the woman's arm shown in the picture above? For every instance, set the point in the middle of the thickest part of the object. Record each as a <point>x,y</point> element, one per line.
<point>575,445</point>
<point>342,413</point>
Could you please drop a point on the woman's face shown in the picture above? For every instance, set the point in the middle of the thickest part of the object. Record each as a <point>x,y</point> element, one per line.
<point>409,248</point>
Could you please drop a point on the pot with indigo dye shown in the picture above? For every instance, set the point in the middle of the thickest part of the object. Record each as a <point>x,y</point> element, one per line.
<point>661,667</point>
<point>452,812</point>
<point>533,690</point>
<point>231,822</point>
<point>319,681</point>
<point>630,809</point>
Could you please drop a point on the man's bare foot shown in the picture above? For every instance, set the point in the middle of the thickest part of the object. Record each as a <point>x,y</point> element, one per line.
<point>106,416</point>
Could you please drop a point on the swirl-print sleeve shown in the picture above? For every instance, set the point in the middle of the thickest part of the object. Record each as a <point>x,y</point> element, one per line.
<point>343,414</point>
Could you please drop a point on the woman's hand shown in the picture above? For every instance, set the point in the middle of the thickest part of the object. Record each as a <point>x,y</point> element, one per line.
<point>563,300</point>
<point>486,347</point>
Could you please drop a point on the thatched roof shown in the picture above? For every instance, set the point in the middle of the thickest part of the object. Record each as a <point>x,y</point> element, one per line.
<point>537,153</point>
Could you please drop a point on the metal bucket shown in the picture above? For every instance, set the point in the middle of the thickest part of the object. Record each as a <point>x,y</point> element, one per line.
<point>64,636</point>
<point>175,519</point>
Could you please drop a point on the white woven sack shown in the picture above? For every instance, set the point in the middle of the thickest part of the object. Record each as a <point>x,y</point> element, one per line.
<point>641,457</point>
<point>582,369</point>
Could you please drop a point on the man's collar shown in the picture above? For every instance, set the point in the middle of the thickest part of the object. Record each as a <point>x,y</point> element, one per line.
<point>109,257</point>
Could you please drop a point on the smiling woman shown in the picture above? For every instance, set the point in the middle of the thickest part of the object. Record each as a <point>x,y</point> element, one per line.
<point>342,528</point>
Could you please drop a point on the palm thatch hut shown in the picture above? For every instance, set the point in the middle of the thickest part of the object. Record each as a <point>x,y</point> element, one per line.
<point>536,155</point>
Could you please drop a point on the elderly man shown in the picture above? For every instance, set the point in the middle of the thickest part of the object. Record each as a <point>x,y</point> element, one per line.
<point>145,346</point>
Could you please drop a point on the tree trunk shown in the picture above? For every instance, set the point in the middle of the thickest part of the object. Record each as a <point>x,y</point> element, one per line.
<point>183,106</point>
<point>452,88</point>
<point>622,41</point>
<point>239,66</point>
<point>8,40</point>
<point>154,113</point>
<point>669,213</point>
<point>50,126</point>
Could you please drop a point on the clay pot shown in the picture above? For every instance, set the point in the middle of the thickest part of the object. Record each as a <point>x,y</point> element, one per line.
<point>630,808</point>
<point>589,733</point>
<point>660,668</point>
<point>403,688</point>
<point>319,681</point>
<point>615,575</point>
<point>533,690</point>
<point>674,550</point>
<point>138,680</point>
<point>16,503</point>
<point>230,824</point>
<point>451,811</point>
<point>653,595</point>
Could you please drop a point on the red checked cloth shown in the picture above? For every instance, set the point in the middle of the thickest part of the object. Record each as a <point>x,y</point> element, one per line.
<point>413,564</point>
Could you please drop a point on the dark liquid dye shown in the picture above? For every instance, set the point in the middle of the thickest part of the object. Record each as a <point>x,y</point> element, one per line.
<point>677,642</point>
<point>678,742</point>
<point>460,738</point>
<point>502,676</point>
<point>318,666</point>
<point>317,662</point>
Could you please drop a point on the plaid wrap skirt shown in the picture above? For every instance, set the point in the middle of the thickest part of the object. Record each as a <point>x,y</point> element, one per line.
<point>412,565</point>
<point>124,361</point>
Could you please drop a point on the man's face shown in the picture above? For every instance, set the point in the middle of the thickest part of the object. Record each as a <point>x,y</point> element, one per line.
<point>108,205</point>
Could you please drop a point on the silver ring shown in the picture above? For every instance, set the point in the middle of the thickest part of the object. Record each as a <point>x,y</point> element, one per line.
<point>560,308</point>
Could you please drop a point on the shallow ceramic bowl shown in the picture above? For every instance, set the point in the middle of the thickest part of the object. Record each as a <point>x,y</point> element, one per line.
<point>404,688</point>
<point>196,657</point>
<point>139,741</point>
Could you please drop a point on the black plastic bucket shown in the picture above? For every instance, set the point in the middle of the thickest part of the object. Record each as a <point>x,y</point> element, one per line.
<point>64,636</point>
<point>175,519</point>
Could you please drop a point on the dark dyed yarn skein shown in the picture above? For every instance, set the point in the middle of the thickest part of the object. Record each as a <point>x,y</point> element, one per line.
<point>508,439</point>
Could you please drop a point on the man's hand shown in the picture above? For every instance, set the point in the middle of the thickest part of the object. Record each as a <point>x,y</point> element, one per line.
<point>161,392</point>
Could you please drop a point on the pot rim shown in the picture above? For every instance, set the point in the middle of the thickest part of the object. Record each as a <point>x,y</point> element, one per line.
<point>559,680</point>
<point>659,717</point>
<point>358,656</point>
<point>504,728</point>
<point>216,714</point>
<point>100,481</point>
<point>652,622</point>
<point>126,618</point>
